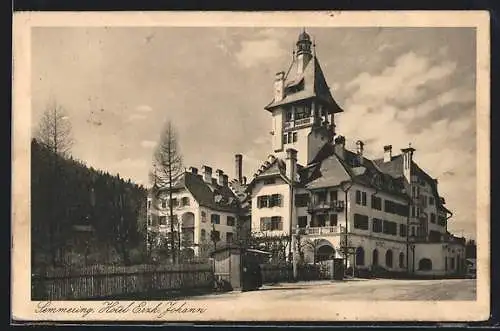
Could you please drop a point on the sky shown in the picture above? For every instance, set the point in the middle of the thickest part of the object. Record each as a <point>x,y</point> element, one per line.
<point>396,86</point>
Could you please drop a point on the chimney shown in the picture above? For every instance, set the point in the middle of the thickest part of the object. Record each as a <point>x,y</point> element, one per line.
<point>193,170</point>
<point>225,180</point>
<point>387,153</point>
<point>207,174</point>
<point>291,163</point>
<point>279,86</point>
<point>219,175</point>
<point>244,180</point>
<point>407,162</point>
<point>238,159</point>
<point>339,147</point>
<point>359,151</point>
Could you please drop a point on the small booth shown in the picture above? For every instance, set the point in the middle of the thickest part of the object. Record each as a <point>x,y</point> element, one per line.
<point>238,268</point>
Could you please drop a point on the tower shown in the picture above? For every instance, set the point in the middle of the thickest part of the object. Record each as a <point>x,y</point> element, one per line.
<point>303,108</point>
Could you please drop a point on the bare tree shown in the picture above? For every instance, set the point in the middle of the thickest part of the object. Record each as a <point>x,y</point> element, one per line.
<point>54,130</point>
<point>167,167</point>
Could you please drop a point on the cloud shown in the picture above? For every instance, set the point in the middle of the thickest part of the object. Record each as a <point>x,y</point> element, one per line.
<point>402,82</point>
<point>144,109</point>
<point>148,144</point>
<point>255,52</point>
<point>136,117</point>
<point>389,107</point>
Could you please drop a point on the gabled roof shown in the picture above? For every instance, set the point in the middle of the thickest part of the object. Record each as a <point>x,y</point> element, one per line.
<point>395,169</point>
<point>329,169</point>
<point>204,193</point>
<point>314,86</point>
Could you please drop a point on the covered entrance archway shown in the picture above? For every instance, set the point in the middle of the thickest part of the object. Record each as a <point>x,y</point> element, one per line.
<point>325,252</point>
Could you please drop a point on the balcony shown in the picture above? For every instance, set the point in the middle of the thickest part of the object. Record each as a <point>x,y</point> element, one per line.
<point>298,123</point>
<point>336,205</point>
<point>324,230</point>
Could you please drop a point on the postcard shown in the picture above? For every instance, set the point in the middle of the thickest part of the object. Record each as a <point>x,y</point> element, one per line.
<point>265,166</point>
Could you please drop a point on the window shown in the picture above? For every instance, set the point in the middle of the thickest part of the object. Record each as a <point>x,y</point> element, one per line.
<point>376,203</point>
<point>203,235</point>
<point>289,138</point>
<point>375,257</point>
<point>402,230</point>
<point>360,256</point>
<point>333,219</point>
<point>263,201</point>
<point>163,220</point>
<point>301,200</point>
<point>401,260</point>
<point>413,211</point>
<point>163,203</point>
<point>433,218</point>
<point>360,222</point>
<point>390,228</point>
<point>321,197</point>
<point>215,218</point>
<point>269,181</point>
<point>294,139</point>
<point>333,196</point>
<point>149,204</point>
<point>413,231</point>
<point>229,237</point>
<point>230,221</point>
<point>174,202</point>
<point>358,197</point>
<point>361,198</point>
<point>302,221</point>
<point>185,201</point>
<point>271,223</point>
<point>203,216</point>
<point>288,115</point>
<point>396,208</point>
<point>150,219</point>
<point>285,136</point>
<point>377,225</point>
<point>388,258</point>
<point>275,200</point>
<point>431,201</point>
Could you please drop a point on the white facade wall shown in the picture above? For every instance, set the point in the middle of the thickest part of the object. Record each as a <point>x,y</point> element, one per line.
<point>199,222</point>
<point>260,189</point>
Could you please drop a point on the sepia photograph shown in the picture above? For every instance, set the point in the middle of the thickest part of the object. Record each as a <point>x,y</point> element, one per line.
<point>220,169</point>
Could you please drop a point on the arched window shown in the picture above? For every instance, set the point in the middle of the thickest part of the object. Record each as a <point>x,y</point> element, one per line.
<point>425,264</point>
<point>401,260</point>
<point>360,256</point>
<point>375,257</point>
<point>388,258</point>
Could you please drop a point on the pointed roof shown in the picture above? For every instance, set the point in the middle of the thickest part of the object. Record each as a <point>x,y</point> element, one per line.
<point>311,83</point>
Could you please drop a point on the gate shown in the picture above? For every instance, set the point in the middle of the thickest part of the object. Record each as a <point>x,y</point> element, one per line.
<point>227,266</point>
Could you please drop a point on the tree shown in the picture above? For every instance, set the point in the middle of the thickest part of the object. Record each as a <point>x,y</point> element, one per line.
<point>54,134</point>
<point>167,167</point>
<point>54,130</point>
<point>313,244</point>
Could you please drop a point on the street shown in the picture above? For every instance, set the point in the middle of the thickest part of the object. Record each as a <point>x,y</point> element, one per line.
<point>356,289</point>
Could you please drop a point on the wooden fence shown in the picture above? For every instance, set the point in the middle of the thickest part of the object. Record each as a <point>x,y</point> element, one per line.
<point>100,281</point>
